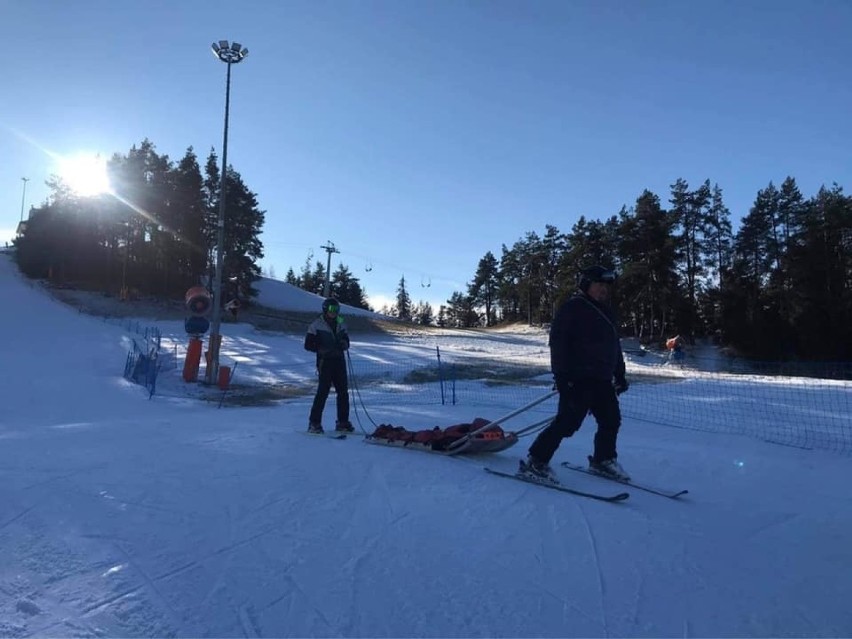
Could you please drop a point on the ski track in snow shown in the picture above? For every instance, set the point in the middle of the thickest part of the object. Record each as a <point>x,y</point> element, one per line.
<point>352,571</point>
<point>366,499</point>
<point>778,520</point>
<point>16,517</point>
<point>58,478</point>
<point>151,585</point>
<point>557,561</point>
<point>327,627</point>
<point>248,622</point>
<point>601,582</point>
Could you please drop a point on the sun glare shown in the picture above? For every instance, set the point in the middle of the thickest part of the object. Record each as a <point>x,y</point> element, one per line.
<point>85,175</point>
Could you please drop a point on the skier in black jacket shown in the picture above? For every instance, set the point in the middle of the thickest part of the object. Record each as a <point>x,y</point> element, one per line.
<point>588,367</point>
<point>328,337</point>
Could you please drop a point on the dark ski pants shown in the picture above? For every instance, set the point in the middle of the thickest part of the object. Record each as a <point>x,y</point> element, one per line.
<point>575,402</point>
<point>332,372</point>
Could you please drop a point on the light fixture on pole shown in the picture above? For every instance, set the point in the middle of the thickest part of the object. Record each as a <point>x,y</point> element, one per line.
<point>229,53</point>
<point>24,196</point>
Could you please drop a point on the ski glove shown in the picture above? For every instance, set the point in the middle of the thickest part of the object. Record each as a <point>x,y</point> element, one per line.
<point>621,385</point>
<point>562,383</point>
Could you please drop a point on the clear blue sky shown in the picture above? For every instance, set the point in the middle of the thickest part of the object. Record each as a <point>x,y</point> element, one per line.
<point>418,135</point>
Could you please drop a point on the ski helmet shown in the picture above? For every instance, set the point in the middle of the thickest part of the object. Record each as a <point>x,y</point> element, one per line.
<point>328,302</point>
<point>596,273</point>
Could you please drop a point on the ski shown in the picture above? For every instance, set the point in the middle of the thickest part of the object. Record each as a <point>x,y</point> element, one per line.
<point>560,487</point>
<point>671,494</point>
<point>327,435</point>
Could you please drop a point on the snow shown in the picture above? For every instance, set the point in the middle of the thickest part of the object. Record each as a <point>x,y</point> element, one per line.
<point>279,294</point>
<point>126,516</point>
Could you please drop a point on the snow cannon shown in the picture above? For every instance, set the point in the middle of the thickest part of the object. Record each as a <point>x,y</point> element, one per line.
<point>198,301</point>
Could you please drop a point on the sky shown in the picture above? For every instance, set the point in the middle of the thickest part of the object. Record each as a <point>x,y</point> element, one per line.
<point>126,516</point>
<point>418,136</point>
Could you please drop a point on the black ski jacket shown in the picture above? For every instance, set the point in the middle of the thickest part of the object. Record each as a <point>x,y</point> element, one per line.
<point>584,342</point>
<point>327,338</point>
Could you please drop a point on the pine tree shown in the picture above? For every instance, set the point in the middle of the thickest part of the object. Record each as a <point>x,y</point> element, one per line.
<point>553,246</point>
<point>403,301</point>
<point>456,310</point>
<point>424,314</point>
<point>508,295</point>
<point>211,206</point>
<point>142,181</point>
<point>483,289</point>
<point>188,203</point>
<point>790,203</point>
<point>243,226</point>
<point>719,236</point>
<point>718,251</point>
<point>441,319</point>
<point>821,277</point>
<point>242,248</point>
<point>306,276</point>
<point>648,283</point>
<point>751,315</point>
<point>318,279</point>
<point>690,213</point>
<point>347,288</point>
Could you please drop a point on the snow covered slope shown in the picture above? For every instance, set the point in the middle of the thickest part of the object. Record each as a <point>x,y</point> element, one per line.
<point>121,516</point>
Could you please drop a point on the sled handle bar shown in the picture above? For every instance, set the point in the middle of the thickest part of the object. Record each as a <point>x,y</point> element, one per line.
<point>505,418</point>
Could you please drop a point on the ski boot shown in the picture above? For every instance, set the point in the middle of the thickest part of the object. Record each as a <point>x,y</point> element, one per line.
<point>344,427</point>
<point>608,468</point>
<point>537,470</point>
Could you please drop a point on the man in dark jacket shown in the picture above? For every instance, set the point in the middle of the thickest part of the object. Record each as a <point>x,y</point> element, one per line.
<point>328,337</point>
<point>588,367</point>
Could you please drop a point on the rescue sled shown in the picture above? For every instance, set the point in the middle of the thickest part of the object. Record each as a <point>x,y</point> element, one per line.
<point>478,436</point>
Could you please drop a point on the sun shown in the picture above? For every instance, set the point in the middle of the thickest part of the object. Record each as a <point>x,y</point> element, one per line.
<point>85,175</point>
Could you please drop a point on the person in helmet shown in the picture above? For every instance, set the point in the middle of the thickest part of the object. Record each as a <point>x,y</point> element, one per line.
<point>588,368</point>
<point>328,337</point>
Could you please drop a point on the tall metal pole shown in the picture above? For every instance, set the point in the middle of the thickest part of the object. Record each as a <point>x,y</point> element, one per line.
<point>329,248</point>
<point>24,197</point>
<point>230,55</point>
<point>215,325</point>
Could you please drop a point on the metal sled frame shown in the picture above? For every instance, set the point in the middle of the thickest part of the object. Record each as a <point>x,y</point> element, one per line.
<point>474,443</point>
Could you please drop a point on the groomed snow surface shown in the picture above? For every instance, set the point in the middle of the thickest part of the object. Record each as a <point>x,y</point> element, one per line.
<point>124,516</point>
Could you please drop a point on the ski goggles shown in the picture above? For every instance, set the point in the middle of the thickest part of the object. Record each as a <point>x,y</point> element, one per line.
<point>607,277</point>
<point>332,308</point>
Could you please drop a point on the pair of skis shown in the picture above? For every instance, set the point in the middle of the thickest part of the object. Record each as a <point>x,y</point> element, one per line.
<point>662,492</point>
<point>329,434</point>
<point>554,485</point>
<point>616,497</point>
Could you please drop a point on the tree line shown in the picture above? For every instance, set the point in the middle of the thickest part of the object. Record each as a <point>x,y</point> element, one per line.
<point>778,288</point>
<point>153,235</point>
<point>345,287</point>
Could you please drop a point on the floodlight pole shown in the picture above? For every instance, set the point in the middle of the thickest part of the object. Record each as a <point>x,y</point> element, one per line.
<point>24,196</point>
<point>229,54</point>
